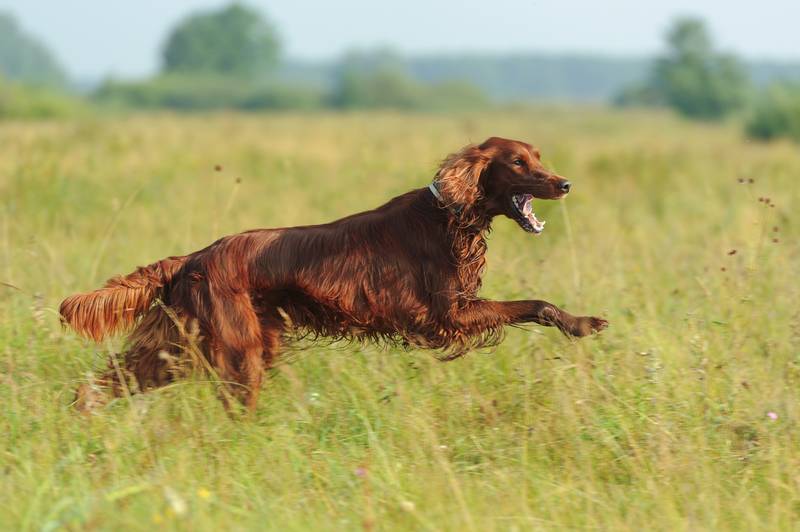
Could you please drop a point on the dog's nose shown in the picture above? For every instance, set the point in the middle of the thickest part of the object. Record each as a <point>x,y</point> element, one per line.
<point>565,186</point>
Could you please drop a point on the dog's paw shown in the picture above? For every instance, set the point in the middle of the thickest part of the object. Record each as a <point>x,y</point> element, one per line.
<point>586,325</point>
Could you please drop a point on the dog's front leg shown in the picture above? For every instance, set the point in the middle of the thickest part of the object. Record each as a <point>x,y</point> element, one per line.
<point>482,315</point>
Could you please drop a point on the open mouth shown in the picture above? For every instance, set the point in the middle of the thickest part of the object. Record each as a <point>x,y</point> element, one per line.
<point>526,218</point>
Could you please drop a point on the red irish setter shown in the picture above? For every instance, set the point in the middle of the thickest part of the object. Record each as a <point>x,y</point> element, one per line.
<point>406,272</point>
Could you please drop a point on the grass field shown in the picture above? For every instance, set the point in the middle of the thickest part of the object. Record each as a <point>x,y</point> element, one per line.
<point>682,415</point>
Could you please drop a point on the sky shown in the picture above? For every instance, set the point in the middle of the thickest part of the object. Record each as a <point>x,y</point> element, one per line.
<point>98,38</point>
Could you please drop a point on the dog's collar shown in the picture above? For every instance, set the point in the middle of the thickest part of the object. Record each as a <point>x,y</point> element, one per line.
<point>455,209</point>
<point>435,192</point>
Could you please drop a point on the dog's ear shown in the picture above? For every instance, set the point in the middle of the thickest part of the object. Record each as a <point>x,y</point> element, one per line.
<point>458,177</point>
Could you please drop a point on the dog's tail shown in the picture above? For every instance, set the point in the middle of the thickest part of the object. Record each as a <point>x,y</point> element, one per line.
<point>116,306</point>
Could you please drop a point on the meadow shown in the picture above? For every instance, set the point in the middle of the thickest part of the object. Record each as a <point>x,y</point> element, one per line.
<point>683,415</point>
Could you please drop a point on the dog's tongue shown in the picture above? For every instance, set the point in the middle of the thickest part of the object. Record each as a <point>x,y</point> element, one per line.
<point>527,211</point>
<point>527,208</point>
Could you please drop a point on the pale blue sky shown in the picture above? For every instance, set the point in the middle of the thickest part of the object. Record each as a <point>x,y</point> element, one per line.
<point>94,38</point>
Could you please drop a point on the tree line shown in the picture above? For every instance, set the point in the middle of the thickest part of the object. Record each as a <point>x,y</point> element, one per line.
<point>704,84</point>
<point>232,58</point>
<point>228,58</point>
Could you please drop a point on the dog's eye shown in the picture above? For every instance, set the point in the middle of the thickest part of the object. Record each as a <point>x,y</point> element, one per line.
<point>519,162</point>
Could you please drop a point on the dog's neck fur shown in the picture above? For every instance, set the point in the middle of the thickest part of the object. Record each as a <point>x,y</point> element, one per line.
<point>465,236</point>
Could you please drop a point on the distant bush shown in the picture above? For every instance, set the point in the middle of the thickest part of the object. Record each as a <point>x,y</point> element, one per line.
<point>639,95</point>
<point>21,101</point>
<point>200,93</point>
<point>380,89</point>
<point>392,89</point>
<point>776,113</point>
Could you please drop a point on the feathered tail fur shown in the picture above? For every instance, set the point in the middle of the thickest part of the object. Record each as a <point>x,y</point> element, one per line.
<point>116,306</point>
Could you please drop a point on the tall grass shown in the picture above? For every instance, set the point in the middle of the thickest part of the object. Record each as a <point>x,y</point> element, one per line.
<point>683,415</point>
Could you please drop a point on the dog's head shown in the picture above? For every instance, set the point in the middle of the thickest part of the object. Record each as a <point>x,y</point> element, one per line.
<point>500,176</point>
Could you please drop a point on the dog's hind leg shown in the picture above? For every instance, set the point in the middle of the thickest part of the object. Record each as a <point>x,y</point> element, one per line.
<point>237,346</point>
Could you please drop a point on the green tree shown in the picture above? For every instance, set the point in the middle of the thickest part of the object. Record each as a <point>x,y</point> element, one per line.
<point>233,41</point>
<point>23,58</point>
<point>694,79</point>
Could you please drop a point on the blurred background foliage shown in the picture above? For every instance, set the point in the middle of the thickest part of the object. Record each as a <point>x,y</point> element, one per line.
<point>776,113</point>
<point>230,58</point>
<point>19,100</point>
